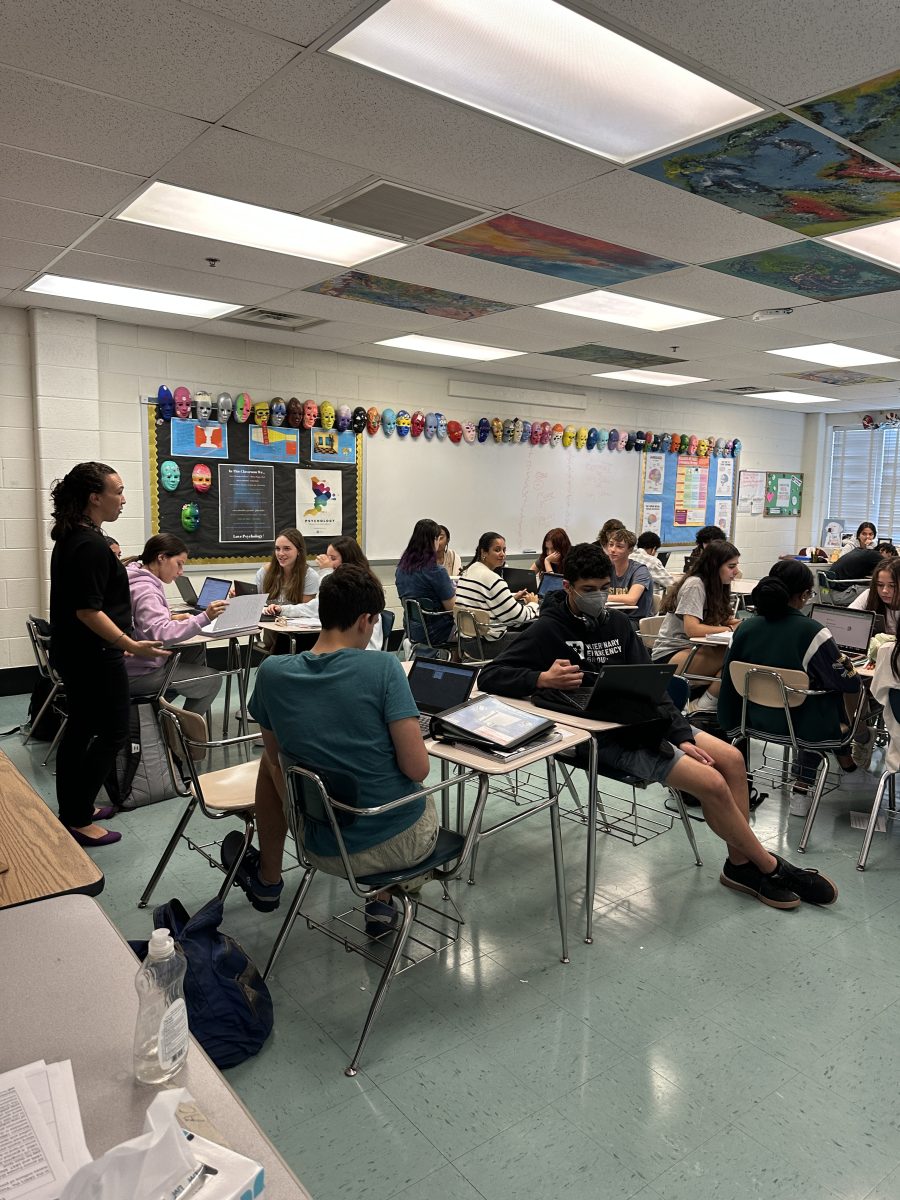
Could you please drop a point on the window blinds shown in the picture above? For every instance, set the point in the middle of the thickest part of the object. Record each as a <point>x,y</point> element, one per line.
<point>864,484</point>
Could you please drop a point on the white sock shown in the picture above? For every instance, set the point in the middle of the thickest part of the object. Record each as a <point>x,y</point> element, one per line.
<point>707,703</point>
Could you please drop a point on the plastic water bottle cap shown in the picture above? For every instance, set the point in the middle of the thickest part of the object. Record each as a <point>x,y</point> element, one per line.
<point>161,944</point>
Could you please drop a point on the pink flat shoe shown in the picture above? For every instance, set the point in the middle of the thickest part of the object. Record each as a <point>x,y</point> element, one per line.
<point>107,839</point>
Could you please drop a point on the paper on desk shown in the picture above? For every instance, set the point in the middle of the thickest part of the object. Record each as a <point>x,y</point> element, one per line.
<point>725,638</point>
<point>243,612</point>
<point>31,1167</point>
<point>145,1168</point>
<point>53,1086</point>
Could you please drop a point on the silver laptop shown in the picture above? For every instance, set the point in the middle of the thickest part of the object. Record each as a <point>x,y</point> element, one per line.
<point>851,628</point>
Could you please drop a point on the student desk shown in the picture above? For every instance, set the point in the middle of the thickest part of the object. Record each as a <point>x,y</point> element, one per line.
<point>71,995</point>
<point>41,858</point>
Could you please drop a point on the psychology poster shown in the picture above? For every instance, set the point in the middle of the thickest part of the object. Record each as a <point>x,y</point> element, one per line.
<point>318,502</point>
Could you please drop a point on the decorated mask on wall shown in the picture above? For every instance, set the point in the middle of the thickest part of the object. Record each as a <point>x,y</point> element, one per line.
<point>190,517</point>
<point>373,420</point>
<point>507,435</point>
<point>310,414</point>
<point>484,429</point>
<point>736,447</point>
<point>648,441</point>
<point>593,436</point>
<point>518,430</point>
<point>693,443</point>
<point>602,439</point>
<point>526,431</point>
<point>182,398</point>
<point>279,411</point>
<point>703,447</point>
<point>469,432</point>
<point>343,418</point>
<point>388,422</point>
<point>201,477</point>
<point>243,407</point>
<point>454,432</point>
<point>545,433</point>
<point>417,423</point>
<point>497,429</point>
<point>169,475</point>
<point>224,406</point>
<point>203,401</point>
<point>535,435</point>
<point>261,412</point>
<point>326,415</point>
<point>684,444</point>
<point>720,447</point>
<point>165,405</point>
<point>358,420</point>
<point>431,424</point>
<point>404,423</point>
<point>568,435</point>
<point>295,413</point>
<point>581,438</point>
<point>631,439</point>
<point>614,439</point>
<point>441,426</point>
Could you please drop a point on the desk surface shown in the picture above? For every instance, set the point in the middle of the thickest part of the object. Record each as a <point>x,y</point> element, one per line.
<point>42,859</point>
<point>474,760</point>
<point>71,995</point>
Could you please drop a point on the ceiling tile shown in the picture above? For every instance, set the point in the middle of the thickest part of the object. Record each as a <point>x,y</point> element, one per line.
<point>36,178</point>
<point>146,244</point>
<point>34,223</point>
<point>885,306</point>
<point>330,308</point>
<point>56,118</point>
<point>591,354</point>
<point>13,278</point>
<point>812,270</point>
<point>838,323</point>
<point>364,288</point>
<point>407,136</point>
<point>228,163</point>
<point>300,23</point>
<point>29,255</point>
<point>865,114</point>
<point>708,291</point>
<point>184,58</point>
<point>628,208</point>
<point>161,278</point>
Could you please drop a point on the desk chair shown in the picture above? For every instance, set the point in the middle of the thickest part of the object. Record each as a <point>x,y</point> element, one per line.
<point>472,625</point>
<point>786,690</point>
<point>219,794</point>
<point>414,614</point>
<point>648,629</point>
<point>312,801</point>
<point>887,783</point>
<point>839,592</point>
<point>387,627</point>
<point>39,636</point>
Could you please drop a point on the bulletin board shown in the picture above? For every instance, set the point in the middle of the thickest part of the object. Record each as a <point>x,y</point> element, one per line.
<point>240,484</point>
<point>680,493</point>
<point>784,494</point>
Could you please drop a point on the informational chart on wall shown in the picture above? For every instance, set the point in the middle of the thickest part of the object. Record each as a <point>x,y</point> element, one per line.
<point>228,487</point>
<point>683,492</point>
<point>784,494</point>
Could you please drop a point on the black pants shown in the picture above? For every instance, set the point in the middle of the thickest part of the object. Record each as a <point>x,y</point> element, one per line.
<point>98,705</point>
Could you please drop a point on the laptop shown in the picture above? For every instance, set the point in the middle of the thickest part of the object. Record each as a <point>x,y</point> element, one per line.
<point>242,588</point>
<point>663,556</point>
<point>213,589</point>
<point>520,580</point>
<point>492,725</point>
<point>437,686</point>
<point>550,583</point>
<point>627,693</point>
<point>851,628</point>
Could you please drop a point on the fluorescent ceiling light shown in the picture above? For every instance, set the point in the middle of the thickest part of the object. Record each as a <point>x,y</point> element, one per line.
<point>627,310</point>
<point>830,354</point>
<point>881,242</point>
<point>657,378</point>
<point>129,297</point>
<point>793,397</point>
<point>430,345</point>
<point>185,211</point>
<point>544,66</point>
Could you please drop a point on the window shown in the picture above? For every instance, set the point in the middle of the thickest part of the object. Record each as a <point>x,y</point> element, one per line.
<point>864,483</point>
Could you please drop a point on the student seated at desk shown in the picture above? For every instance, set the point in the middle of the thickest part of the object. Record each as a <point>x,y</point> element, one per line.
<point>419,577</point>
<point>885,680</point>
<point>481,587</point>
<point>781,636</point>
<point>575,633</point>
<point>335,706</point>
<point>630,582</point>
<point>883,596</point>
<point>859,562</point>
<point>288,581</point>
<point>160,563</point>
<point>446,556</point>
<point>865,538</point>
<point>606,529</point>
<point>554,548</point>
<point>698,605</point>
<point>645,553</point>
<point>343,551</point>
<point>709,533</point>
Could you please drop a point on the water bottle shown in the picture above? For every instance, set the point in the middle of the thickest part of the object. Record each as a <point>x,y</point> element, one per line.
<point>161,1032</point>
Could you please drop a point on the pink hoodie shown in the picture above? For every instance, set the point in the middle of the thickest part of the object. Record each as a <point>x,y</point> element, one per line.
<point>152,619</point>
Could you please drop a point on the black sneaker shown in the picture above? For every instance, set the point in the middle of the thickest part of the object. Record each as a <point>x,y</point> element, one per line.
<point>265,897</point>
<point>768,889</point>
<point>810,885</point>
<point>381,917</point>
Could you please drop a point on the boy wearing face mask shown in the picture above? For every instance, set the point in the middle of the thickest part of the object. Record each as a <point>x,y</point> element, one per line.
<point>576,633</point>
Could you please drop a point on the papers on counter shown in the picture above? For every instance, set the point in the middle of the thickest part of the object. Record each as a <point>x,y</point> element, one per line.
<point>41,1137</point>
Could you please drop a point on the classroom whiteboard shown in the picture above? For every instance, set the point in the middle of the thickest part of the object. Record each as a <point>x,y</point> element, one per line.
<point>520,491</point>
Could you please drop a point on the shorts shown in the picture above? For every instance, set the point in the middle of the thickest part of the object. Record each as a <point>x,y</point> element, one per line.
<point>669,655</point>
<point>404,849</point>
<point>650,766</point>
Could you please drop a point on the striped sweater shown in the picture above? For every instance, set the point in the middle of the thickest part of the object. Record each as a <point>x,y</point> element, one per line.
<point>480,587</point>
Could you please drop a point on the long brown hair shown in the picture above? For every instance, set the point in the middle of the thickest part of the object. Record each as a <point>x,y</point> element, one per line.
<point>717,609</point>
<point>350,551</point>
<point>874,602</point>
<point>606,529</point>
<point>559,541</point>
<point>281,589</point>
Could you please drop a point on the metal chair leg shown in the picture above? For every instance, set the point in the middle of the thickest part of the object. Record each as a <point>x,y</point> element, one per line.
<point>231,873</point>
<point>387,978</point>
<point>821,776</point>
<point>886,782</point>
<point>57,739</point>
<point>168,852</point>
<point>44,707</point>
<point>687,823</point>
<point>559,869</point>
<point>288,923</point>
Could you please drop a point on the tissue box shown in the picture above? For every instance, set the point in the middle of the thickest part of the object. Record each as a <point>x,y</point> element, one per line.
<point>238,1178</point>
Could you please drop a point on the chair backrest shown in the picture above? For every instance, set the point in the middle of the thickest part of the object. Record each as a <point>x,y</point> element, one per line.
<point>311,792</point>
<point>763,685</point>
<point>894,702</point>
<point>39,636</point>
<point>413,616</point>
<point>648,628</point>
<point>472,622</point>
<point>387,625</point>
<point>679,691</point>
<point>186,733</point>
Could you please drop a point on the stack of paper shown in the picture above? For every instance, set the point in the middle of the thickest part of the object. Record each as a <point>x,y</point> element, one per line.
<point>41,1137</point>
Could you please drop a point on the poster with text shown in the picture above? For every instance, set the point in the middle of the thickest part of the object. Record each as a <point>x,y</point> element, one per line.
<point>724,477</point>
<point>652,516</point>
<point>655,474</point>
<point>751,493</point>
<point>318,502</point>
<point>246,503</point>
<point>691,481</point>
<point>723,515</point>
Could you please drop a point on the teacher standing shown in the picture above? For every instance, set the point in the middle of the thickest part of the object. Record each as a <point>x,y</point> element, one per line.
<point>90,627</point>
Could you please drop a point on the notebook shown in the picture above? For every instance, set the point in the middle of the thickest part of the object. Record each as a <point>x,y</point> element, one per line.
<point>624,692</point>
<point>491,724</point>
<point>437,686</point>
<point>851,628</point>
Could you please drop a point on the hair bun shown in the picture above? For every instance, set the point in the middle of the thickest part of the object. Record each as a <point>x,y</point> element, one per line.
<point>770,597</point>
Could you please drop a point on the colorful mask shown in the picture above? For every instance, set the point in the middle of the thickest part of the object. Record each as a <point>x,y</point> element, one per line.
<point>417,423</point>
<point>666,443</point>
<point>431,424</point>
<point>581,438</point>
<point>326,415</point>
<point>736,447</point>
<point>182,403</point>
<point>279,412</point>
<point>535,435</point>
<point>657,441</point>
<point>518,430</point>
<point>484,429</point>
<point>685,442</point>
<point>165,405</point>
<point>497,429</point>
<point>602,439</point>
<point>373,420</point>
<point>201,477</point>
<point>546,433</point>
<point>614,439</point>
<point>569,435</point>
<point>310,414</point>
<point>190,517</point>
<point>469,432</point>
<point>692,444</point>
<point>358,420</point>
<point>169,475</point>
<point>623,441</point>
<point>648,441</point>
<point>404,423</point>
<point>441,426</point>
<point>526,431</point>
<point>720,447</point>
<point>261,412</point>
<point>507,431</point>
<point>203,401</point>
<point>556,434</point>
<point>224,406</point>
<point>243,407</point>
<point>703,447</point>
<point>343,418</point>
<point>632,440</point>
<point>454,432</point>
<point>388,422</point>
<point>593,437</point>
<point>295,413</point>
<point>675,447</point>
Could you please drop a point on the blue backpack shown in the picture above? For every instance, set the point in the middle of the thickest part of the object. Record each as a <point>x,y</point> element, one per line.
<point>229,1006</point>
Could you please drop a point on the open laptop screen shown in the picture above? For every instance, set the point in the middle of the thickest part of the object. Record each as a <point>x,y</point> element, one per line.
<point>437,685</point>
<point>213,589</point>
<point>851,628</point>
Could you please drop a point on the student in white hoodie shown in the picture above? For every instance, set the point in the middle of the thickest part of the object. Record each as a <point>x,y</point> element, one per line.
<point>645,552</point>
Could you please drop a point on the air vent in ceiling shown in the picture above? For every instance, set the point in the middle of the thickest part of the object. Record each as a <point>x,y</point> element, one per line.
<point>399,211</point>
<point>742,391</point>
<point>267,318</point>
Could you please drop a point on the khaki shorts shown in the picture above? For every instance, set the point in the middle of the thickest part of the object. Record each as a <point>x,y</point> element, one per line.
<point>404,849</point>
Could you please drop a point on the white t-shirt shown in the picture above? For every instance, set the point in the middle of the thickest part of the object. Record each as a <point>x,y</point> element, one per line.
<point>672,636</point>
<point>890,614</point>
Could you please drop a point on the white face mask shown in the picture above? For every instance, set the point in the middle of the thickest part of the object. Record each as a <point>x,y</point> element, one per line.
<point>590,604</point>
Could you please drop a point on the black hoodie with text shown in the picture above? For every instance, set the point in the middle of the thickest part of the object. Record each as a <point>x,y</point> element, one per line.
<point>584,641</point>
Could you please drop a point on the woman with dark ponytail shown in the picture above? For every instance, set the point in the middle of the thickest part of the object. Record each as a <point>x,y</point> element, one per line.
<point>781,636</point>
<point>90,632</point>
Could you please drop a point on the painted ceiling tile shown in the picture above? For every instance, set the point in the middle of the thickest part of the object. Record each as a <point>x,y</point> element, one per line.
<point>867,114</point>
<point>811,269</point>
<point>613,355</point>
<point>393,293</point>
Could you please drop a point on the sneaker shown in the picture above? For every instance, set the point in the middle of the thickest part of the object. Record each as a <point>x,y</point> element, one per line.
<point>380,918</point>
<point>756,798</point>
<point>768,889</point>
<point>801,801</point>
<point>265,897</point>
<point>810,885</point>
